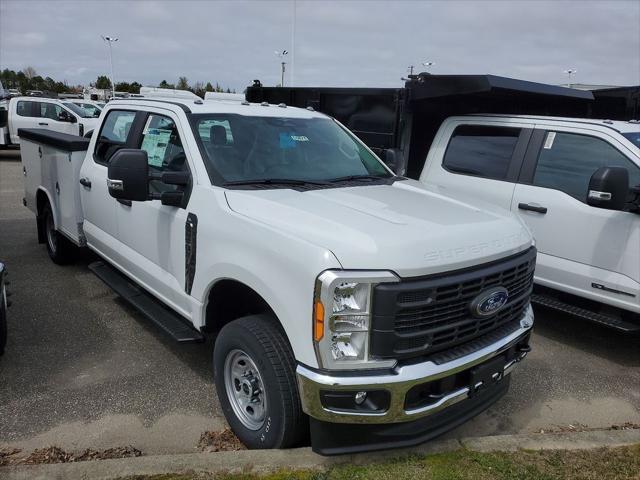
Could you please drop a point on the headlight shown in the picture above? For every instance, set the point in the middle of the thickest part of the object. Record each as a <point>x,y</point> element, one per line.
<point>342,319</point>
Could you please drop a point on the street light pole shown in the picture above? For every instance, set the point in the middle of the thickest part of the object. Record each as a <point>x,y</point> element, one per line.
<point>428,64</point>
<point>281,55</point>
<point>111,40</point>
<point>569,72</point>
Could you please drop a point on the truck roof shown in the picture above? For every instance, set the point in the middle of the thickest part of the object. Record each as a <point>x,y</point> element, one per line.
<point>224,105</point>
<point>620,126</point>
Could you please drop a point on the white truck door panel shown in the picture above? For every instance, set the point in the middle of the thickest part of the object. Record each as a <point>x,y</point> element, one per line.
<point>477,160</point>
<point>152,233</point>
<point>22,114</point>
<point>100,225</point>
<point>589,251</point>
<point>153,239</point>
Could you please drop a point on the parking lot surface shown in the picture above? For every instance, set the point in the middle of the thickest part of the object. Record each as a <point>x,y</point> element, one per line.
<point>82,369</point>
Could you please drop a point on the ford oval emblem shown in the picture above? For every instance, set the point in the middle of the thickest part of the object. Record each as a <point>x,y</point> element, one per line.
<point>490,302</point>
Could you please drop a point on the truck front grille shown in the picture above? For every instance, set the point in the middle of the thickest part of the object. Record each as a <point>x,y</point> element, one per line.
<point>417,317</point>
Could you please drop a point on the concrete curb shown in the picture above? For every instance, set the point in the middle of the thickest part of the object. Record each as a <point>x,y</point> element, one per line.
<point>264,461</point>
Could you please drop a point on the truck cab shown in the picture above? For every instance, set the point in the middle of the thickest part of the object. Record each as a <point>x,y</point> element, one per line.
<point>47,113</point>
<point>348,303</point>
<point>549,170</point>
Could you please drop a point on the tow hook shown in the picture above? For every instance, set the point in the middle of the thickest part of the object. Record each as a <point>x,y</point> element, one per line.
<point>522,351</point>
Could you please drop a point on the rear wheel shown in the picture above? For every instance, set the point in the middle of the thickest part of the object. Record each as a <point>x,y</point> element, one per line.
<point>60,250</point>
<point>255,379</point>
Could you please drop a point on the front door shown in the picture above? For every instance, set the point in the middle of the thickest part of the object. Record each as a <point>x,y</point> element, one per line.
<point>153,234</point>
<point>582,249</point>
<point>50,112</point>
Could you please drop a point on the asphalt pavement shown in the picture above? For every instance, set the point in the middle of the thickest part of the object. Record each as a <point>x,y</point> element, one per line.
<point>82,369</point>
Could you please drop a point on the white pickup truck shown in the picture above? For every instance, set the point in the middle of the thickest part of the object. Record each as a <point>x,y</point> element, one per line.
<point>576,183</point>
<point>44,113</point>
<point>351,304</point>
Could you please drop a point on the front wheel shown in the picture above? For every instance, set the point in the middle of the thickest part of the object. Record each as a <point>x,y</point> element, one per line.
<point>255,379</point>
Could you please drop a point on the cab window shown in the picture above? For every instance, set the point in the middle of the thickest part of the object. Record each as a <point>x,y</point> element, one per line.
<point>50,110</point>
<point>161,141</point>
<point>113,134</point>
<point>25,109</point>
<point>482,151</point>
<point>567,161</point>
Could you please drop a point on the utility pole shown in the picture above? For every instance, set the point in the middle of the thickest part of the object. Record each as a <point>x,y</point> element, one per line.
<point>410,69</point>
<point>111,40</point>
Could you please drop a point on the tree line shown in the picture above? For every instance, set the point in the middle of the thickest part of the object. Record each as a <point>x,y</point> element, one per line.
<point>28,79</point>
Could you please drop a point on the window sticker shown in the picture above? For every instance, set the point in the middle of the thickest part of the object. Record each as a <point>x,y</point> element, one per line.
<point>548,142</point>
<point>289,139</point>
<point>155,144</point>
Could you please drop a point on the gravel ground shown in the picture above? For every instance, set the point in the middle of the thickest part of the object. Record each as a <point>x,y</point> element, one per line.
<point>84,370</point>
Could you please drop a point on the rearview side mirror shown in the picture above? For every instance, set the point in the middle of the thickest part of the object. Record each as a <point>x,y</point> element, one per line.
<point>609,188</point>
<point>65,116</point>
<point>394,159</point>
<point>128,175</point>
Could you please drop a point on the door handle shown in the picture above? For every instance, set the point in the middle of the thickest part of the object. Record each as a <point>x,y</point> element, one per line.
<point>85,182</point>
<point>44,124</point>
<point>126,203</point>
<point>532,208</point>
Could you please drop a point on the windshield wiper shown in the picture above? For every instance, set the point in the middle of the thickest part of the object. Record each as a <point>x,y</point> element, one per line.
<point>358,178</point>
<point>274,181</point>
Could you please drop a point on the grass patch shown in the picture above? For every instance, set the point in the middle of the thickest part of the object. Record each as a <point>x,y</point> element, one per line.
<point>599,464</point>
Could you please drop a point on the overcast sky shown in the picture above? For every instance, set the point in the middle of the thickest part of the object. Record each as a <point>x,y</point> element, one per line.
<point>337,43</point>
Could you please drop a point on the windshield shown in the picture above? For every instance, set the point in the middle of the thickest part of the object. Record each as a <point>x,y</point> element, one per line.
<point>245,149</point>
<point>92,110</point>
<point>76,109</point>
<point>634,137</point>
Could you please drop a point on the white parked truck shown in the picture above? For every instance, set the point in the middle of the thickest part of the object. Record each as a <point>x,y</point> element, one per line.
<point>43,113</point>
<point>348,303</point>
<point>574,180</point>
<point>576,183</point>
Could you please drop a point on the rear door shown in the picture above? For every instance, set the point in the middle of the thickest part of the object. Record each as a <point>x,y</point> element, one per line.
<point>100,227</point>
<point>584,250</point>
<point>477,159</point>
<point>24,114</point>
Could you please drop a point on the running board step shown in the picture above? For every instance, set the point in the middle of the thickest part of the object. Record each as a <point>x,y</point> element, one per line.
<point>600,318</point>
<point>150,307</point>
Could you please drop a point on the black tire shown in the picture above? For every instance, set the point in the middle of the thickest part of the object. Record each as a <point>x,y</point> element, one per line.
<point>60,249</point>
<point>260,338</point>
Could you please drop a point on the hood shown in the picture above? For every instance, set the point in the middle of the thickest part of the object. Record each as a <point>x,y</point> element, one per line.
<point>404,227</point>
<point>90,123</point>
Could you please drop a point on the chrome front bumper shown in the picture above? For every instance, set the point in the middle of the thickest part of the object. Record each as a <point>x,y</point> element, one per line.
<point>400,381</point>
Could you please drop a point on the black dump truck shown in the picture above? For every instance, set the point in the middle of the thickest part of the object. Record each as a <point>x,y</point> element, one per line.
<point>399,124</point>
